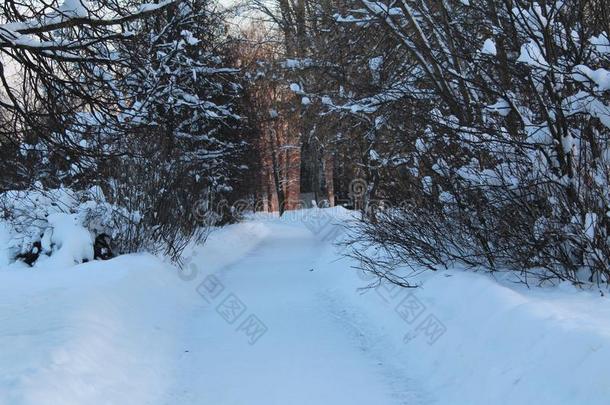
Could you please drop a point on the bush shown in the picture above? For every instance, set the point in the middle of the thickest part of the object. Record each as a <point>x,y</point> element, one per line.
<point>61,225</point>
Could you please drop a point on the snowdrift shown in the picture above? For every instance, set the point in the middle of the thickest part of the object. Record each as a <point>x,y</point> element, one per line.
<point>57,227</point>
<point>499,344</point>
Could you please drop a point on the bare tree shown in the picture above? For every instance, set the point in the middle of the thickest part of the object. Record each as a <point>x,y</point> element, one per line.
<point>59,58</point>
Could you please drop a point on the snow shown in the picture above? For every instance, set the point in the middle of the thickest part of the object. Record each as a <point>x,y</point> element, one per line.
<point>189,37</point>
<point>375,66</point>
<point>66,11</point>
<point>380,8</point>
<point>583,102</point>
<point>96,333</point>
<point>62,220</point>
<point>601,77</point>
<point>135,330</point>
<point>489,47</point>
<point>150,7</point>
<point>74,8</point>
<point>446,197</point>
<point>71,242</point>
<point>297,63</point>
<point>532,56</point>
<point>295,87</point>
<point>521,346</point>
<point>501,106</point>
<point>327,101</point>
<point>601,43</point>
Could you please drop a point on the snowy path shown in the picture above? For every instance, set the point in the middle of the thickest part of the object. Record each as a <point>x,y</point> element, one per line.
<point>272,316</point>
<point>311,353</point>
<point>132,331</point>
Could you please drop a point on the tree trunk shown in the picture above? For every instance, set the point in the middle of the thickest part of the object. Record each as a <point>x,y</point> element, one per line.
<point>329,178</point>
<point>293,176</point>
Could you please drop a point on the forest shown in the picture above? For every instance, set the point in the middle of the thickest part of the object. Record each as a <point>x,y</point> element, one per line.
<point>471,132</point>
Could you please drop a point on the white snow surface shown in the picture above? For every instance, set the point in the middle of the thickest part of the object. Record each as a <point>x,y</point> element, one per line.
<point>74,8</point>
<point>71,242</point>
<point>489,47</point>
<point>600,76</point>
<point>135,330</point>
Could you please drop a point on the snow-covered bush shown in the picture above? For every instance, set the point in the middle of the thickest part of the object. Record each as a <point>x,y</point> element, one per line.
<point>154,125</point>
<point>487,126</point>
<point>61,225</point>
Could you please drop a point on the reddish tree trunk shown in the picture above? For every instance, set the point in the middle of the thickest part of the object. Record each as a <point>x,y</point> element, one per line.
<point>293,176</point>
<point>329,167</point>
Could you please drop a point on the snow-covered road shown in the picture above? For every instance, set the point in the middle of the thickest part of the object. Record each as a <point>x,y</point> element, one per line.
<point>294,342</point>
<point>259,316</point>
<point>268,313</point>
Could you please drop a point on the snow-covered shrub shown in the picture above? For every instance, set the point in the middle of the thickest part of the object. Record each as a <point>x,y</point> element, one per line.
<point>183,145</point>
<point>167,139</point>
<point>58,224</point>
<point>491,131</point>
<point>66,240</point>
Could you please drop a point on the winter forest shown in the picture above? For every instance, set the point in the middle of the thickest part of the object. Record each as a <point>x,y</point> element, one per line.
<point>425,183</point>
